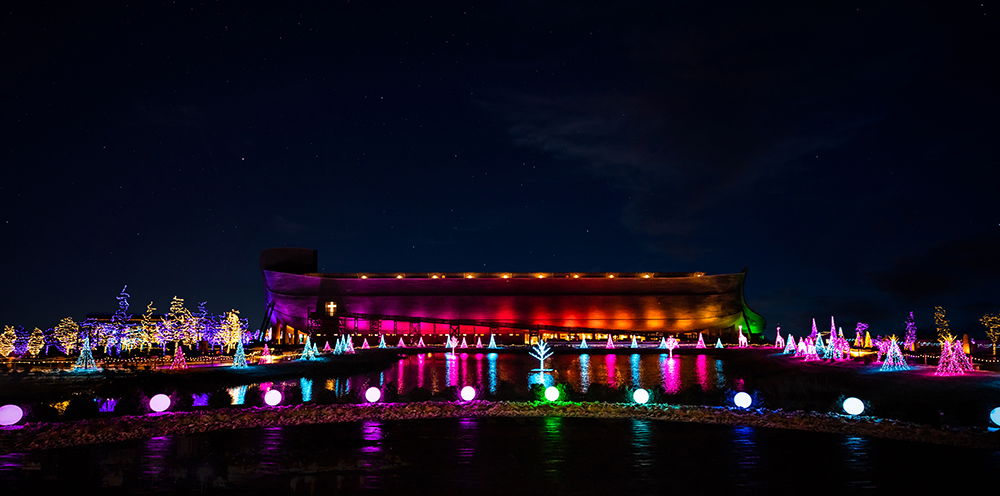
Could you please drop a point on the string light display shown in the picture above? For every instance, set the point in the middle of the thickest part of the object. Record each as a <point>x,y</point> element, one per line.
<point>308,353</point>
<point>7,340</point>
<point>179,361</point>
<point>941,324</point>
<point>239,358</point>
<point>910,338</point>
<point>701,342</point>
<point>859,337</point>
<point>894,358</point>
<point>493,343</point>
<point>35,342</point>
<point>991,322</point>
<point>779,342</point>
<point>86,359</point>
<point>790,345</point>
<point>741,340</point>
<point>718,343</point>
<point>67,335</point>
<point>583,343</point>
<point>610,344</point>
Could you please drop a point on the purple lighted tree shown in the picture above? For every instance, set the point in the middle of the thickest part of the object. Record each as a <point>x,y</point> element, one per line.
<point>811,354</point>
<point>910,340</point>
<point>946,365</point>
<point>815,331</point>
<point>859,338</point>
<point>265,356</point>
<point>882,344</point>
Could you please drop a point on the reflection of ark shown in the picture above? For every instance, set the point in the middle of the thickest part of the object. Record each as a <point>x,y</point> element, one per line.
<point>567,305</point>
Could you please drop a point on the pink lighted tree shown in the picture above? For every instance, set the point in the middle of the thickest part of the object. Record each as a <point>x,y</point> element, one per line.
<point>701,342</point>
<point>671,344</point>
<point>179,361</point>
<point>894,358</point>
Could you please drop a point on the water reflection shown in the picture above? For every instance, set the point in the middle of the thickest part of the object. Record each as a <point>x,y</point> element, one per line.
<point>370,454</point>
<point>155,456</point>
<point>492,359</point>
<point>720,375</point>
<point>670,374</point>
<point>701,370</point>
<point>306,388</point>
<point>467,435</point>
<point>642,444</point>
<point>858,462</point>
<point>747,456</point>
<point>237,395</point>
<point>610,370</point>
<point>553,447</point>
<point>634,361</point>
<point>271,450</point>
<point>584,372</point>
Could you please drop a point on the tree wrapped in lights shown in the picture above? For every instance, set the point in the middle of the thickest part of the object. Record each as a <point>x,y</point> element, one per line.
<point>35,342</point>
<point>868,339</point>
<point>800,350</point>
<point>401,343</point>
<point>953,360</point>
<point>815,331</point>
<point>179,361</point>
<point>7,340</point>
<point>859,337</point>
<point>701,342</point>
<point>541,352</point>
<point>910,338</point>
<point>991,322</point>
<point>326,347</point>
<point>364,344</point>
<point>894,358</point>
<point>479,341</point>
<point>962,361</point>
<point>67,335</point>
<point>348,344</point>
<point>420,343</point>
<point>663,343</point>
<point>239,358</point>
<point>718,343</point>
<point>942,324</point>
<point>231,330</point>
<point>817,343</point>
<point>779,342</point>
<point>789,345</point>
<point>148,328</point>
<point>634,344</point>
<point>583,343</point>
<point>86,359</point>
<point>882,345</point>
<point>119,329</point>
<point>493,343</point>
<point>672,343</point>
<point>265,356</point>
<point>610,344</point>
<point>308,353</point>
<point>177,322</point>
<point>464,343</point>
<point>381,341</point>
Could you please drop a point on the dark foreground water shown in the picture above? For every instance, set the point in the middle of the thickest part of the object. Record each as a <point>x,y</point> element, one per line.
<point>501,456</point>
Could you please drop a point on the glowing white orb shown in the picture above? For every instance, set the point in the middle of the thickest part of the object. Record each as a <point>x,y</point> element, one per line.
<point>272,397</point>
<point>640,396</point>
<point>854,406</point>
<point>994,415</point>
<point>742,400</point>
<point>552,393</point>
<point>468,393</point>
<point>10,414</point>
<point>159,403</point>
<point>373,394</point>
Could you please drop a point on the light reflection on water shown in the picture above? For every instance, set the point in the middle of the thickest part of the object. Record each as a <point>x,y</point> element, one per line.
<point>370,454</point>
<point>857,461</point>
<point>584,372</point>
<point>154,457</point>
<point>747,456</point>
<point>642,444</point>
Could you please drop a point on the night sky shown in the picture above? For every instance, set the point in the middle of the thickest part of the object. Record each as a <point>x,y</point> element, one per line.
<point>845,153</point>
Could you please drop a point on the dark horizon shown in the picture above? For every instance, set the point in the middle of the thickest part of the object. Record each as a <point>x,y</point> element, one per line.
<point>845,155</point>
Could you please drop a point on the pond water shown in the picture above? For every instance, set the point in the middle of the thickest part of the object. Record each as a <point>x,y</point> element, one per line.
<point>550,455</point>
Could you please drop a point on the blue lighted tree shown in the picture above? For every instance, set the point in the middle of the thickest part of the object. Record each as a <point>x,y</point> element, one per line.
<point>239,358</point>
<point>308,353</point>
<point>86,359</point>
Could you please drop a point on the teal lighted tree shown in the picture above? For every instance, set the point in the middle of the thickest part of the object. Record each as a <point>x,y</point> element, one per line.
<point>86,359</point>
<point>240,357</point>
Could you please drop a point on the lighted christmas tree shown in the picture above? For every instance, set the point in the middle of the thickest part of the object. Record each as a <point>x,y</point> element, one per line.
<point>179,361</point>
<point>958,356</point>
<point>401,343</point>
<point>610,344</point>
<point>349,342</point>
<point>381,342</point>
<point>148,328</point>
<point>583,343</point>
<point>701,342</point>
<point>326,347</point>
<point>741,340</point>
<point>239,358</point>
<point>790,345</point>
<point>265,356</point>
<point>832,351</point>
<point>779,342</point>
<point>818,343</point>
<point>307,351</point>
<point>942,324</point>
<point>315,350</point>
<point>364,344</point>
<point>634,344</point>
<point>815,331</point>
<point>7,340</point>
<point>991,322</point>
<point>894,358</point>
<point>479,341</point>
<point>86,359</point>
<point>947,365</point>
<point>464,343</point>
<point>663,343</point>
<point>718,343</point>
<point>910,339</point>
<point>833,329</point>
<point>420,344</point>
<point>493,343</point>
<point>35,342</point>
<point>672,343</point>
<point>67,334</point>
<point>868,339</point>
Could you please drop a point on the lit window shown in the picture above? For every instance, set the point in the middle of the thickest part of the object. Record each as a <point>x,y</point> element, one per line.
<point>331,308</point>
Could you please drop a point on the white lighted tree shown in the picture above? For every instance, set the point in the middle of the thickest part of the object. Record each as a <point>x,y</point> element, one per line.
<point>541,352</point>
